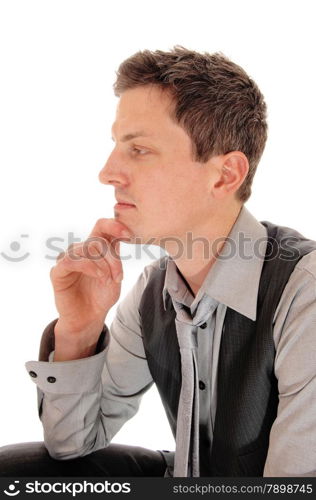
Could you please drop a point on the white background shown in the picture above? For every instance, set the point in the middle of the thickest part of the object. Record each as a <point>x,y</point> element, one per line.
<point>58,60</point>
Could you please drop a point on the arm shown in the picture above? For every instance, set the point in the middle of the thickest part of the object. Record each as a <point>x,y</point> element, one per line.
<point>93,397</point>
<point>292,446</point>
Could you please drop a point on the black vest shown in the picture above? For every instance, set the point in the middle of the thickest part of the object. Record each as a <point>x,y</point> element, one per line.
<point>247,389</point>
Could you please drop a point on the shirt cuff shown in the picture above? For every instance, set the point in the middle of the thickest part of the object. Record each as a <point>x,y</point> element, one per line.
<point>67,377</point>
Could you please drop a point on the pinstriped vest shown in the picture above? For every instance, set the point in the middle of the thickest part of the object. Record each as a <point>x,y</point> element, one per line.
<point>247,392</point>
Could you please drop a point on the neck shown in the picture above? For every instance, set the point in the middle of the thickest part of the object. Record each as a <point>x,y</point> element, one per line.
<point>201,247</point>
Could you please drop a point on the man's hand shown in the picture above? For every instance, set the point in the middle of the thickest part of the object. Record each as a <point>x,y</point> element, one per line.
<point>87,283</point>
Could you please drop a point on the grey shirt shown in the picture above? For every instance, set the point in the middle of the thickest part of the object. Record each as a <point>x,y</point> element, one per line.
<point>93,397</point>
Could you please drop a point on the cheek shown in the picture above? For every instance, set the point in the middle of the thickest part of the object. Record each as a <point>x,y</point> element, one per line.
<point>168,189</point>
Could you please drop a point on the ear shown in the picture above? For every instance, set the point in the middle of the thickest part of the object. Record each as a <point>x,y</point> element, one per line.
<point>232,170</point>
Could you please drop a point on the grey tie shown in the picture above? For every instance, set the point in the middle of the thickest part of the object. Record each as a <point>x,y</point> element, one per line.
<point>187,435</point>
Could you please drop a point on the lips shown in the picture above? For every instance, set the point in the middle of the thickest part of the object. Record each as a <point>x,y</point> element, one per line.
<point>123,204</point>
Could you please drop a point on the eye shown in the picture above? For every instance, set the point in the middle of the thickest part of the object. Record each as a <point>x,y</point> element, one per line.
<point>138,151</point>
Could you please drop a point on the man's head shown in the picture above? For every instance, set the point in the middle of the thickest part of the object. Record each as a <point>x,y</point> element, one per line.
<point>190,129</point>
<point>215,101</point>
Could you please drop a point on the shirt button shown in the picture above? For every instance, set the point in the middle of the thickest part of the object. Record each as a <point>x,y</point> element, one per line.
<point>51,379</point>
<point>201,385</point>
<point>204,325</point>
<point>33,374</point>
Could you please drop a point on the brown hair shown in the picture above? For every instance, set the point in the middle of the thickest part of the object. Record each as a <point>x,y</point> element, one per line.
<point>216,102</point>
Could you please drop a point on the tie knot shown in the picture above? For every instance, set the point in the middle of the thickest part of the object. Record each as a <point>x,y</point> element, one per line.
<point>203,312</point>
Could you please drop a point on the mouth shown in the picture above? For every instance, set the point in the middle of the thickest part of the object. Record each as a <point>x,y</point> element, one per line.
<point>124,206</point>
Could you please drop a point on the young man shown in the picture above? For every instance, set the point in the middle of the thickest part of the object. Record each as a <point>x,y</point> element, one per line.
<point>224,325</point>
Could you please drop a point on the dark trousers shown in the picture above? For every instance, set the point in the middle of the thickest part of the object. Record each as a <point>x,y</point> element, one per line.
<point>33,460</point>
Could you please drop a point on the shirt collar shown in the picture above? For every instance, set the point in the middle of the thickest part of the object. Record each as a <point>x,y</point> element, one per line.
<point>234,278</point>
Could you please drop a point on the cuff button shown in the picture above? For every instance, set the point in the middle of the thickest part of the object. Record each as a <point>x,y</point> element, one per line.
<point>33,374</point>
<point>51,379</point>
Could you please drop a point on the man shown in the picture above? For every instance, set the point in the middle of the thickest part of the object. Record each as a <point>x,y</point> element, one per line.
<point>224,325</point>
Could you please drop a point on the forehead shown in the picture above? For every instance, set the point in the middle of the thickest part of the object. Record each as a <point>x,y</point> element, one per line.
<point>144,107</point>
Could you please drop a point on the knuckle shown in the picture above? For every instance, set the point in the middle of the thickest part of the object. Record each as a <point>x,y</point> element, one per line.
<point>100,243</point>
<point>95,248</point>
<point>52,272</point>
<point>74,246</point>
<point>100,222</point>
<point>114,254</point>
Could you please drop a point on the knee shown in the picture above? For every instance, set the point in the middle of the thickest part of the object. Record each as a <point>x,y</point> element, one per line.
<point>15,458</point>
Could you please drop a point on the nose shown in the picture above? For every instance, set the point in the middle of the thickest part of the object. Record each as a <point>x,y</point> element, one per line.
<point>113,173</point>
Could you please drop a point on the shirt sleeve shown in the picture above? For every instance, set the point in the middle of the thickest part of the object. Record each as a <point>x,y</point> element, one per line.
<point>292,445</point>
<point>83,403</point>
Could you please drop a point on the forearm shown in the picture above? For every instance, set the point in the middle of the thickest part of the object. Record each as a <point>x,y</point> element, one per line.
<point>80,423</point>
<point>94,396</point>
<point>69,396</point>
<point>88,402</point>
<point>71,435</point>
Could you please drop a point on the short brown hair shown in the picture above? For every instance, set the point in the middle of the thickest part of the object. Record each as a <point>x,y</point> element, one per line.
<point>219,106</point>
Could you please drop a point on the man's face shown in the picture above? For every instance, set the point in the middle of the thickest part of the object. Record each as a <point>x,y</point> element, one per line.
<point>151,167</point>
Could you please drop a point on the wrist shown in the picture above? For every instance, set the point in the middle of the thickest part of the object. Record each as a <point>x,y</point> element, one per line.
<point>76,344</point>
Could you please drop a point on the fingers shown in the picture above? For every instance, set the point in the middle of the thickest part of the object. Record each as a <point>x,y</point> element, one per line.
<point>110,229</point>
<point>96,257</point>
<point>69,264</point>
<point>105,255</point>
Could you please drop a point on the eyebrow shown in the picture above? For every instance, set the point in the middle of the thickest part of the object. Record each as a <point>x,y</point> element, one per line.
<point>129,137</point>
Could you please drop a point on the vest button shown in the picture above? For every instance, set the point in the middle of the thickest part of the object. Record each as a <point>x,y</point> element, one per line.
<point>51,379</point>
<point>201,385</point>
<point>204,325</point>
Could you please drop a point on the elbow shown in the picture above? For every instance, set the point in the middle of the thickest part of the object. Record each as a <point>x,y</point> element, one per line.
<point>62,452</point>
